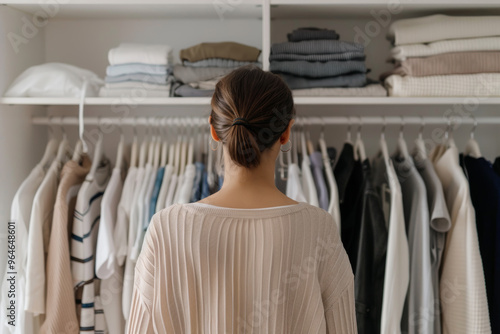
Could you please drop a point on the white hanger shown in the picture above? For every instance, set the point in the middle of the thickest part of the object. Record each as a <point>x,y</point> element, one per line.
<point>98,153</point>
<point>164,145</point>
<point>51,148</point>
<point>143,151</point>
<point>157,148</point>
<point>184,149</point>
<point>349,137</point>
<point>81,119</point>
<point>383,144</point>
<point>420,150</point>
<point>295,147</point>
<point>401,147</point>
<point>177,157</point>
<point>152,144</point>
<point>303,144</point>
<point>133,154</point>
<point>310,146</point>
<point>359,146</point>
<point>190,151</point>
<point>64,150</point>
<point>121,145</point>
<point>472,147</point>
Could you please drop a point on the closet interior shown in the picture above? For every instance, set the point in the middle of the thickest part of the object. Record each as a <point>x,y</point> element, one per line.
<point>81,32</point>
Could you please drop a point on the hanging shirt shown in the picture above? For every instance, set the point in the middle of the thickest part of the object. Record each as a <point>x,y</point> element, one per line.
<point>370,266</point>
<point>440,224</point>
<point>293,184</point>
<point>156,191</point>
<point>87,216</point>
<point>120,233</point>
<point>397,265</point>
<point>319,180</point>
<point>186,187</point>
<point>333,205</point>
<point>38,240</point>
<point>21,210</point>
<point>484,186</point>
<point>60,311</point>
<point>308,182</point>
<point>205,189</point>
<point>107,268</point>
<point>463,292</point>
<point>196,191</point>
<point>128,278</point>
<point>165,183</point>
<point>419,309</point>
<point>171,191</point>
<point>350,181</point>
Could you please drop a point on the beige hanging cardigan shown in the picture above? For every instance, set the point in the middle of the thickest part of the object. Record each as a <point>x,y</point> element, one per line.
<point>207,269</point>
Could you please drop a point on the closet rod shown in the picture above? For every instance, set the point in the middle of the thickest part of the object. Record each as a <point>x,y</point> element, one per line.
<point>309,120</point>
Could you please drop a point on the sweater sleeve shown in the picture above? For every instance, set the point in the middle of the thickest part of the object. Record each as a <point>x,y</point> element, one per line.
<point>141,315</point>
<point>341,317</point>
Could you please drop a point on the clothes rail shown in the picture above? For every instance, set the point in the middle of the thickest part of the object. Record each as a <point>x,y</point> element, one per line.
<point>329,120</point>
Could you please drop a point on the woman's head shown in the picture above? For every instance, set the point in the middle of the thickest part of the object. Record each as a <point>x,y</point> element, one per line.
<point>251,111</point>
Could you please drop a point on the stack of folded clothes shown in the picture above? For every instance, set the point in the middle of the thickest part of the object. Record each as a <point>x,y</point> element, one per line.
<point>204,64</point>
<point>314,62</point>
<point>443,55</point>
<point>138,70</point>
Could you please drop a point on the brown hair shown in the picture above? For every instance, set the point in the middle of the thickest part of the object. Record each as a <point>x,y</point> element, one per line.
<point>251,109</point>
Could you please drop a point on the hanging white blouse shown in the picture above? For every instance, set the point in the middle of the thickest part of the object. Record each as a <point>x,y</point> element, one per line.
<point>308,186</point>
<point>20,215</point>
<point>293,184</point>
<point>162,196</point>
<point>462,286</point>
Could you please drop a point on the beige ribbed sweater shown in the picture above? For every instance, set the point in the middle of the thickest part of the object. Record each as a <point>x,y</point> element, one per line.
<point>206,269</point>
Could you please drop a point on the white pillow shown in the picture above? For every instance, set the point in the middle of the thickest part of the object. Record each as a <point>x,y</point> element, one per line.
<point>54,80</point>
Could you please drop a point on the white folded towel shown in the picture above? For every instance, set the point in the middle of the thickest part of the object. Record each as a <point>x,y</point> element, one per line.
<point>470,85</point>
<point>457,45</point>
<point>442,27</point>
<point>141,53</point>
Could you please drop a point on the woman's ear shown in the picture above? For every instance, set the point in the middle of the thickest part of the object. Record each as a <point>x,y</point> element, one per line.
<point>285,137</point>
<point>212,130</point>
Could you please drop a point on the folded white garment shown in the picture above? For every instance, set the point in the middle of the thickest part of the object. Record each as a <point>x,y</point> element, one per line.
<point>128,68</point>
<point>442,27</point>
<point>136,84</point>
<point>470,85</point>
<point>368,90</point>
<point>133,93</point>
<point>206,84</point>
<point>402,52</point>
<point>54,80</point>
<point>140,53</point>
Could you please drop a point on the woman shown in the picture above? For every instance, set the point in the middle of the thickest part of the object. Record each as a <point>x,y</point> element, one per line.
<point>248,258</point>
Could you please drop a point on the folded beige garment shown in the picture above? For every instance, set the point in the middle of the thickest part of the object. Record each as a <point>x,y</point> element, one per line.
<point>188,74</point>
<point>458,85</point>
<point>206,84</point>
<point>368,90</point>
<point>449,63</point>
<point>442,27</point>
<point>226,50</point>
<point>458,45</point>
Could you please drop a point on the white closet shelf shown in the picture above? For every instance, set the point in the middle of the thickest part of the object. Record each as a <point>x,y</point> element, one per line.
<point>143,9</point>
<point>205,101</point>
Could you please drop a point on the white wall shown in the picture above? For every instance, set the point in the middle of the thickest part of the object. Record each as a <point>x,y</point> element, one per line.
<point>21,144</point>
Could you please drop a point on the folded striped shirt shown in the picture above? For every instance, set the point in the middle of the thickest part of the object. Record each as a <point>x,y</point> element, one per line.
<point>130,68</point>
<point>140,77</point>
<point>458,45</point>
<point>442,27</point>
<point>188,74</point>
<point>318,69</point>
<point>316,47</point>
<point>449,63</point>
<point>318,57</point>
<point>368,90</point>
<point>220,62</point>
<point>351,80</point>
<point>306,34</point>
<point>460,85</point>
<point>188,91</point>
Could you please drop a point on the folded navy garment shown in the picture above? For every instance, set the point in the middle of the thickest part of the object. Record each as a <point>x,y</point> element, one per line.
<point>351,80</point>
<point>307,34</point>
<point>163,79</point>
<point>130,68</point>
<point>188,91</point>
<point>318,69</point>
<point>316,47</point>
<point>318,57</point>
<point>220,62</point>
